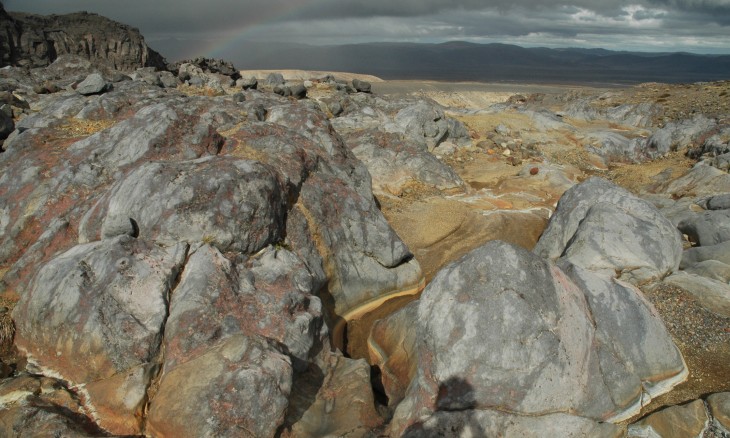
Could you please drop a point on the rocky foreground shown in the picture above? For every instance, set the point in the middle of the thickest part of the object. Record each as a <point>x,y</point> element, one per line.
<point>193,251</point>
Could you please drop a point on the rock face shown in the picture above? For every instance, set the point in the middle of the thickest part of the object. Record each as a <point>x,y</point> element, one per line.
<point>561,340</point>
<point>36,41</point>
<point>688,421</point>
<point>604,228</point>
<point>185,247</point>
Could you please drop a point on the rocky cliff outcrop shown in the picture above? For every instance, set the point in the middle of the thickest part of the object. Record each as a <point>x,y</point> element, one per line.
<point>36,41</point>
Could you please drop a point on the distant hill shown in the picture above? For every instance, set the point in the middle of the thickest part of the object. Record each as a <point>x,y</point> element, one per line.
<point>462,61</point>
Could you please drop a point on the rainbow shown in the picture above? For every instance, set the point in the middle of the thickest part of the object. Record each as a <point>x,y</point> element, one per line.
<point>276,12</point>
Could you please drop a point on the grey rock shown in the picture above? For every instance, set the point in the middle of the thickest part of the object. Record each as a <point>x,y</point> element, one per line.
<point>37,41</point>
<point>274,79</point>
<point>271,295</point>
<point>250,83</point>
<point>299,91</point>
<point>93,84</point>
<point>361,86</point>
<point>148,75</point>
<point>707,228</point>
<point>102,304</point>
<point>344,404</point>
<point>678,136</point>
<point>394,161</point>
<point>721,162</point>
<point>604,228</point>
<point>561,340</point>
<point>714,295</point>
<point>616,147</point>
<point>715,145</point>
<point>209,66</point>
<point>711,269</point>
<point>282,90</point>
<point>685,421</point>
<point>719,252</point>
<point>483,423</point>
<point>718,202</point>
<point>638,115</point>
<point>719,407</point>
<point>168,80</point>
<point>701,180</point>
<point>246,210</point>
<point>201,397</point>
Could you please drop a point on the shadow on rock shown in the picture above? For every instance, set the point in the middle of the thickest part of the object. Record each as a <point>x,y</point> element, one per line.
<point>455,395</point>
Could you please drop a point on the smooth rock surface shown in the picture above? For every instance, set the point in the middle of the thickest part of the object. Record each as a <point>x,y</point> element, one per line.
<point>606,229</point>
<point>685,421</point>
<point>561,340</point>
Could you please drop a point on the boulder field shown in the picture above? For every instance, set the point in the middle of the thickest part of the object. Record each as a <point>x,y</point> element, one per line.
<point>192,251</point>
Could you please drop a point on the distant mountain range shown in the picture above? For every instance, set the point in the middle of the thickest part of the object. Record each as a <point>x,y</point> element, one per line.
<point>463,61</point>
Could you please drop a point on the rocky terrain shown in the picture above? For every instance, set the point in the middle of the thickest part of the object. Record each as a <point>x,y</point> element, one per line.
<point>199,251</point>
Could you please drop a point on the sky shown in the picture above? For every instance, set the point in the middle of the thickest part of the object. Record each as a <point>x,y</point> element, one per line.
<point>189,28</point>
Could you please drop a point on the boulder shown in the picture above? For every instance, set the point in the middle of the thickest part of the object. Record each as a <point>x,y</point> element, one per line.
<point>42,406</point>
<point>714,295</point>
<point>707,228</point>
<point>682,421</point>
<point>246,210</point>
<point>394,161</point>
<point>103,304</point>
<point>93,84</point>
<point>250,83</point>
<point>481,423</point>
<point>604,228</point>
<point>361,86</point>
<point>274,79</point>
<point>239,386</point>
<point>719,252</point>
<point>681,135</point>
<point>344,404</point>
<point>561,340</point>
<point>719,407</point>
<point>701,180</point>
<point>718,202</point>
<point>298,91</point>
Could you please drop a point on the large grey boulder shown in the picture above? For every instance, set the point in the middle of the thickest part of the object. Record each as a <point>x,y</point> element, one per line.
<point>93,84</point>
<point>604,228</point>
<point>560,340</point>
<point>707,228</point>
<point>719,252</point>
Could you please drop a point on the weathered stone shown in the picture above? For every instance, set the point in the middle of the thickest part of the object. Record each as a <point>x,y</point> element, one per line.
<point>707,228</point>
<point>712,269</point>
<point>239,386</point>
<point>274,79</point>
<point>244,209</point>
<point>93,84</point>
<point>685,421</point>
<point>719,252</point>
<point>344,404</point>
<point>361,86</point>
<point>561,340</point>
<point>37,41</point>
<point>250,83</point>
<point>486,423</point>
<point>391,347</point>
<point>104,304</point>
<point>298,91</point>
<point>714,295</point>
<point>606,229</point>
<point>718,202</point>
<point>719,406</point>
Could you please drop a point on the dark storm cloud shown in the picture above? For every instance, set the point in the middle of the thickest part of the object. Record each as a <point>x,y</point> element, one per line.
<point>700,25</point>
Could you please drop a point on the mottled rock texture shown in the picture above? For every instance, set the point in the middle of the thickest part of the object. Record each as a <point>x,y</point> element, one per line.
<point>504,330</point>
<point>196,254</point>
